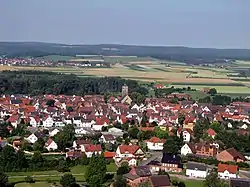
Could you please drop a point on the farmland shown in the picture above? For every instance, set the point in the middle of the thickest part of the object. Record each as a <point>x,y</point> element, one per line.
<point>147,69</point>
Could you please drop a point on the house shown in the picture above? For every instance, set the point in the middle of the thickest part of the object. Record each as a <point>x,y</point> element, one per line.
<point>14,119</point>
<point>155,144</point>
<point>100,122</point>
<point>51,145</point>
<point>160,181</point>
<point>91,149</point>
<point>130,161</point>
<point>77,121</point>
<point>53,132</point>
<point>74,154</point>
<point>211,133</point>
<point>169,163</point>
<point>109,155</point>
<point>115,132</point>
<point>239,182</point>
<point>129,151</point>
<point>126,100</point>
<point>137,175</point>
<point>226,171</point>
<point>186,134</point>
<point>83,131</point>
<point>32,138</point>
<point>34,121</point>
<point>230,155</point>
<point>196,170</point>
<point>188,148</point>
<point>107,138</point>
<point>78,144</point>
<point>48,122</point>
<point>205,149</point>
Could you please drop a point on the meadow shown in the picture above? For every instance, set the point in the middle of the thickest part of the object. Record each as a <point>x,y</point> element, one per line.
<point>42,177</point>
<point>147,69</point>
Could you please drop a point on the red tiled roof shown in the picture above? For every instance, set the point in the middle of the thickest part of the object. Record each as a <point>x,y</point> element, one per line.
<point>13,118</point>
<point>156,140</point>
<point>50,140</point>
<point>102,120</point>
<point>109,154</point>
<point>92,148</point>
<point>211,132</point>
<point>230,168</point>
<point>147,128</point>
<point>128,149</point>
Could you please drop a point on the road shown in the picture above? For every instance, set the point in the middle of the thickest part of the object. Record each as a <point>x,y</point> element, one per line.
<point>244,173</point>
<point>156,155</point>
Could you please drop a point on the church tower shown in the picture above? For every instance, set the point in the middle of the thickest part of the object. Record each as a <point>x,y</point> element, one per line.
<point>124,90</point>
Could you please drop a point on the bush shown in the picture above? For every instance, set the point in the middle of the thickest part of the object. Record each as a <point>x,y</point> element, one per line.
<point>29,179</point>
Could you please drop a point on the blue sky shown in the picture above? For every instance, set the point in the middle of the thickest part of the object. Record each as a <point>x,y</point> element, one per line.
<point>195,23</point>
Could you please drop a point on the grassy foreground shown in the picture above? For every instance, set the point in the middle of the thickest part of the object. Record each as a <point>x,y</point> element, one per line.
<point>43,176</point>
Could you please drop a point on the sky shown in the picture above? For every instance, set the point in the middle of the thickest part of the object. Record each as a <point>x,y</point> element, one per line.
<point>193,23</point>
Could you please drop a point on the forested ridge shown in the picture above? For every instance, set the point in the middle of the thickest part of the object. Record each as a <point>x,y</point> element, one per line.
<point>36,82</point>
<point>183,54</point>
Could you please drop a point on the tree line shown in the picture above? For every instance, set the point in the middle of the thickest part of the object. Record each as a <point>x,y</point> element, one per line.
<point>37,82</point>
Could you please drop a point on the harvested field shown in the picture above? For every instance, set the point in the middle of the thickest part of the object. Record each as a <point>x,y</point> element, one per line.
<point>143,69</point>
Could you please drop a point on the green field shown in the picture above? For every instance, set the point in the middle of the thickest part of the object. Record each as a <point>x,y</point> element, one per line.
<point>189,182</point>
<point>37,184</point>
<point>225,79</point>
<point>41,176</point>
<point>193,183</point>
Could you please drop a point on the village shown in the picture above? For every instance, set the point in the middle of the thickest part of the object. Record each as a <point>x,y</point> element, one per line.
<point>136,134</point>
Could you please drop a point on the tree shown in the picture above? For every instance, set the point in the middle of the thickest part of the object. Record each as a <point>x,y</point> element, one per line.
<point>96,169</point>
<point>123,169</point>
<point>63,166</point>
<point>181,184</point>
<point>172,145</point>
<point>37,160</point>
<point>133,132</point>
<point>21,161</point>
<point>70,109</point>
<point>212,180</point>
<point>95,181</point>
<point>181,119</point>
<point>65,138</point>
<point>67,180</point>
<point>161,133</point>
<point>7,158</point>
<point>29,179</point>
<point>198,131</point>
<point>212,91</point>
<point>120,181</point>
<point>51,102</point>
<point>221,100</point>
<point>39,145</point>
<point>84,160</point>
<point>4,132</point>
<point>3,179</point>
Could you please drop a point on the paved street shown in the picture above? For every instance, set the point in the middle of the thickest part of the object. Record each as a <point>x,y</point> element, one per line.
<point>156,155</point>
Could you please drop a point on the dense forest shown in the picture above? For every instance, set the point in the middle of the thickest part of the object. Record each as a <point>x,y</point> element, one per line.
<point>183,54</point>
<point>36,82</point>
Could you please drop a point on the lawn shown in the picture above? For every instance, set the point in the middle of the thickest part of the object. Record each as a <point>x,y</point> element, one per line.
<point>189,182</point>
<point>77,171</point>
<point>37,184</point>
<point>193,183</point>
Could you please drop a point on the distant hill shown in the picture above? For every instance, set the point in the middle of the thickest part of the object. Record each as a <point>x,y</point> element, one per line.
<point>183,54</point>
